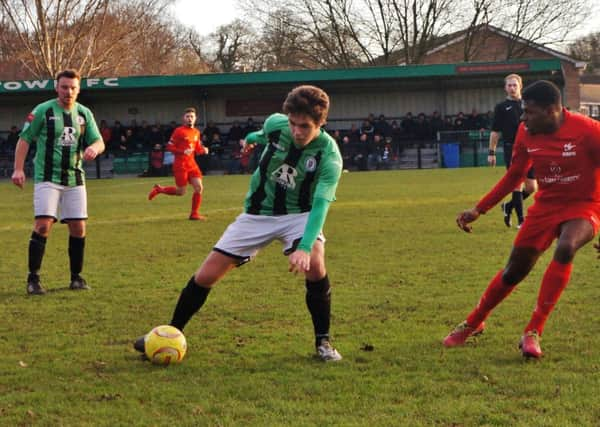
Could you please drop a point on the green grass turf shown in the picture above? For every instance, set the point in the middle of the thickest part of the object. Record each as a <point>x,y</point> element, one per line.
<point>403,276</point>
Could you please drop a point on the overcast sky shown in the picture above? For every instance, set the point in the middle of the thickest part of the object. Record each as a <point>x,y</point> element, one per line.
<point>205,16</point>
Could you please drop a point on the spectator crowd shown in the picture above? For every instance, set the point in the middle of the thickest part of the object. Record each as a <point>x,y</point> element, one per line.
<point>373,143</point>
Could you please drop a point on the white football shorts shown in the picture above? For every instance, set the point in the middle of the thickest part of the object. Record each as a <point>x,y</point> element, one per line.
<point>244,237</point>
<point>50,198</point>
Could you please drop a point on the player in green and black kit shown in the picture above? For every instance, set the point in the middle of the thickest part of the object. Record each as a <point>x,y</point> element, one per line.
<point>290,193</point>
<point>65,133</point>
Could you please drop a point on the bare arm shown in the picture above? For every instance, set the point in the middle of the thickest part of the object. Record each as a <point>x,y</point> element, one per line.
<point>18,176</point>
<point>494,138</point>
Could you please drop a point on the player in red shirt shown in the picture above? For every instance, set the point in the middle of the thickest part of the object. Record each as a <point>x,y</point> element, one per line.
<point>185,143</point>
<point>564,149</point>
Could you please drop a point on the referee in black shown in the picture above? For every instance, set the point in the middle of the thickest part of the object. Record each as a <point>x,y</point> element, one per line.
<point>507,116</point>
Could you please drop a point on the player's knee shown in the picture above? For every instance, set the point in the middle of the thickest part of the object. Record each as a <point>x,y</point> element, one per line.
<point>79,233</point>
<point>317,269</point>
<point>205,280</point>
<point>513,276</point>
<point>77,228</point>
<point>207,277</point>
<point>317,261</point>
<point>565,252</point>
<point>43,230</point>
<point>180,191</point>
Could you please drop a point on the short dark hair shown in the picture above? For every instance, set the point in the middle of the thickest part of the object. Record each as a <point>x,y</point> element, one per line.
<point>309,100</point>
<point>69,73</point>
<point>543,92</point>
<point>189,110</point>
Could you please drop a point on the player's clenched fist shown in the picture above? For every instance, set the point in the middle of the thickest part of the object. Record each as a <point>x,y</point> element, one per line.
<point>18,178</point>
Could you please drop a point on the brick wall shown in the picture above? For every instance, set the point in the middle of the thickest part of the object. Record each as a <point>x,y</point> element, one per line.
<point>490,46</point>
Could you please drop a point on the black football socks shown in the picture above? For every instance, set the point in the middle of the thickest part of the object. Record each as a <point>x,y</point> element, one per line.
<point>76,248</point>
<point>517,202</point>
<point>318,301</point>
<point>37,246</point>
<point>192,297</point>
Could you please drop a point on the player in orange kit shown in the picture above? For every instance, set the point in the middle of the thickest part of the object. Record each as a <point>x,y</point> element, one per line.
<point>184,144</point>
<point>564,149</point>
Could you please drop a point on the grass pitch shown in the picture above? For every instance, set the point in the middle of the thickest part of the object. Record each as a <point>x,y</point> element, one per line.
<point>402,273</point>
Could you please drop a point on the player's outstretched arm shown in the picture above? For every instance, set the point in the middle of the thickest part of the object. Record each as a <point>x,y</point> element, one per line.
<point>464,218</point>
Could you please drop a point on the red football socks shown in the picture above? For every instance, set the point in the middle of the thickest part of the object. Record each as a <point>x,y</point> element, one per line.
<point>496,291</point>
<point>196,201</point>
<point>554,282</point>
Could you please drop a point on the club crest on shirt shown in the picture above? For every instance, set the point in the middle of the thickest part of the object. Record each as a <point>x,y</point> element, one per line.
<point>285,176</point>
<point>310,164</point>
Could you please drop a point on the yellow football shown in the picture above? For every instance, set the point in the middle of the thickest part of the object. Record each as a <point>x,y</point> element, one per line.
<point>165,344</point>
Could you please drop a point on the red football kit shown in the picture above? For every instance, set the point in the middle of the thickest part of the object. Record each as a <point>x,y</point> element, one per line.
<point>184,166</point>
<point>567,168</point>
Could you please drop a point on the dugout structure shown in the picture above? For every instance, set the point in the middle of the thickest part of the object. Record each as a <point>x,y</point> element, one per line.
<point>224,98</point>
<point>355,93</point>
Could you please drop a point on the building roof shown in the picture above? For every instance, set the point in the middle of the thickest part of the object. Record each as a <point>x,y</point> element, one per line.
<point>458,36</point>
<point>440,73</point>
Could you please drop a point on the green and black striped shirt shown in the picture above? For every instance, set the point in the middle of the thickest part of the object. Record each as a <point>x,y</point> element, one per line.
<point>288,178</point>
<point>61,137</point>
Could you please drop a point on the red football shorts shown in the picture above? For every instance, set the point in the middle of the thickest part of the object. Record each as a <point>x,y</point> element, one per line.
<point>542,224</point>
<point>184,174</point>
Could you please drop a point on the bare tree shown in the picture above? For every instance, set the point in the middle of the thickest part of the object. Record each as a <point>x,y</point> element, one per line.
<point>47,30</point>
<point>347,33</point>
<point>541,22</point>
<point>164,49</point>
<point>330,31</point>
<point>480,16</point>
<point>420,22</point>
<point>282,43</point>
<point>8,38</point>
<point>380,29</point>
<point>92,36</point>
<point>231,47</point>
<point>587,48</point>
<point>197,45</point>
